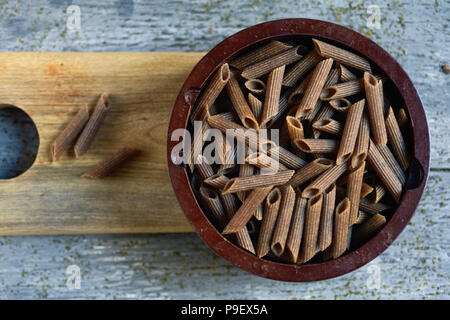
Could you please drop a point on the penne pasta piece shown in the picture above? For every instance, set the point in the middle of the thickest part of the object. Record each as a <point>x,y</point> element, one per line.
<point>266,51</point>
<point>213,202</point>
<point>395,138</point>
<point>308,247</point>
<point>309,171</point>
<point>346,75</point>
<point>340,105</point>
<point>369,227</point>
<point>247,209</point>
<point>295,128</point>
<point>329,126</point>
<point>324,180</point>
<point>245,170</point>
<point>365,190</point>
<point>217,180</point>
<point>297,93</point>
<point>70,133</point>
<point>365,204</point>
<point>326,218</point>
<point>283,106</point>
<point>342,56</point>
<point>295,234</point>
<point>340,229</point>
<point>402,120</point>
<point>230,205</point>
<point>255,86</point>
<point>302,67</point>
<point>378,192</point>
<point>211,92</point>
<point>257,181</point>
<point>354,184</point>
<point>263,161</point>
<point>197,143</point>
<point>240,105</point>
<point>375,109</point>
<point>107,166</point>
<point>204,169</point>
<point>259,213</point>
<point>314,87</point>
<point>263,67</point>
<point>393,164</point>
<point>384,172</point>
<point>351,128</point>
<point>272,96</point>
<point>223,124</point>
<point>362,142</point>
<point>271,206</point>
<point>256,106</point>
<point>289,159</point>
<point>92,126</point>
<point>281,230</point>
<point>341,90</point>
<point>317,145</point>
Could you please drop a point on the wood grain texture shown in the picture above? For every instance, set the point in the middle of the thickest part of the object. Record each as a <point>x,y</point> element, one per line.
<point>415,266</point>
<point>51,198</point>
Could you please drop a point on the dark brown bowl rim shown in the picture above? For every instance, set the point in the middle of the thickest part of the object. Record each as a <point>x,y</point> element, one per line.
<point>180,180</point>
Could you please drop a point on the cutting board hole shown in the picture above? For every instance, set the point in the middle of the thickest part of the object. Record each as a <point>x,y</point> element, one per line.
<point>19,142</point>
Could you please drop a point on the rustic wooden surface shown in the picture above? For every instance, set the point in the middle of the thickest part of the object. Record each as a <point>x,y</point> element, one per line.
<point>174,266</point>
<point>51,197</point>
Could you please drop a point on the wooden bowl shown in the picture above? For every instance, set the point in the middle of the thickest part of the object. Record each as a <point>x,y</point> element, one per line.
<point>406,97</point>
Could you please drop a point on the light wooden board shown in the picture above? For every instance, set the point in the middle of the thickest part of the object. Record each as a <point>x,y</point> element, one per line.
<point>51,198</point>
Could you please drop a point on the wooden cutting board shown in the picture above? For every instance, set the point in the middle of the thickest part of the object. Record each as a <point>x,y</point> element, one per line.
<point>52,198</point>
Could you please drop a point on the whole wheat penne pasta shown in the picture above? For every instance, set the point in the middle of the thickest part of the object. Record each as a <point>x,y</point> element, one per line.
<point>290,160</point>
<point>197,143</point>
<point>375,109</point>
<point>341,90</point>
<point>70,133</point>
<point>263,161</point>
<point>384,172</point>
<point>317,145</point>
<point>211,92</point>
<point>266,51</point>
<point>362,216</point>
<point>392,162</point>
<point>272,96</point>
<point>325,112</point>
<point>309,171</point>
<point>255,86</point>
<point>326,218</point>
<point>340,229</point>
<point>212,200</point>
<point>369,227</point>
<point>230,204</point>
<point>366,189</point>
<point>229,154</point>
<point>240,105</point>
<point>257,181</point>
<point>342,56</point>
<point>365,204</point>
<point>362,142</point>
<point>346,75</point>
<point>281,230</point>
<point>223,124</point>
<point>295,234</point>
<point>294,128</point>
<point>328,125</point>
<point>308,248</point>
<point>245,170</point>
<point>256,106</point>
<point>107,166</point>
<point>283,106</point>
<point>218,180</point>
<point>259,213</point>
<point>354,183</point>
<point>351,128</point>
<point>340,105</point>
<point>395,138</point>
<point>204,169</point>
<point>301,68</point>
<point>314,87</point>
<point>263,67</point>
<point>92,126</point>
<point>324,180</point>
<point>271,206</point>
<point>247,209</point>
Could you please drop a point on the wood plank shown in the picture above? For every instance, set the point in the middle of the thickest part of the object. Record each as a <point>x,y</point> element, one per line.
<point>51,198</point>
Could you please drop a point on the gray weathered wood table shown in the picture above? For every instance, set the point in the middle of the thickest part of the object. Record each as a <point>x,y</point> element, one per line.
<point>176,266</point>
